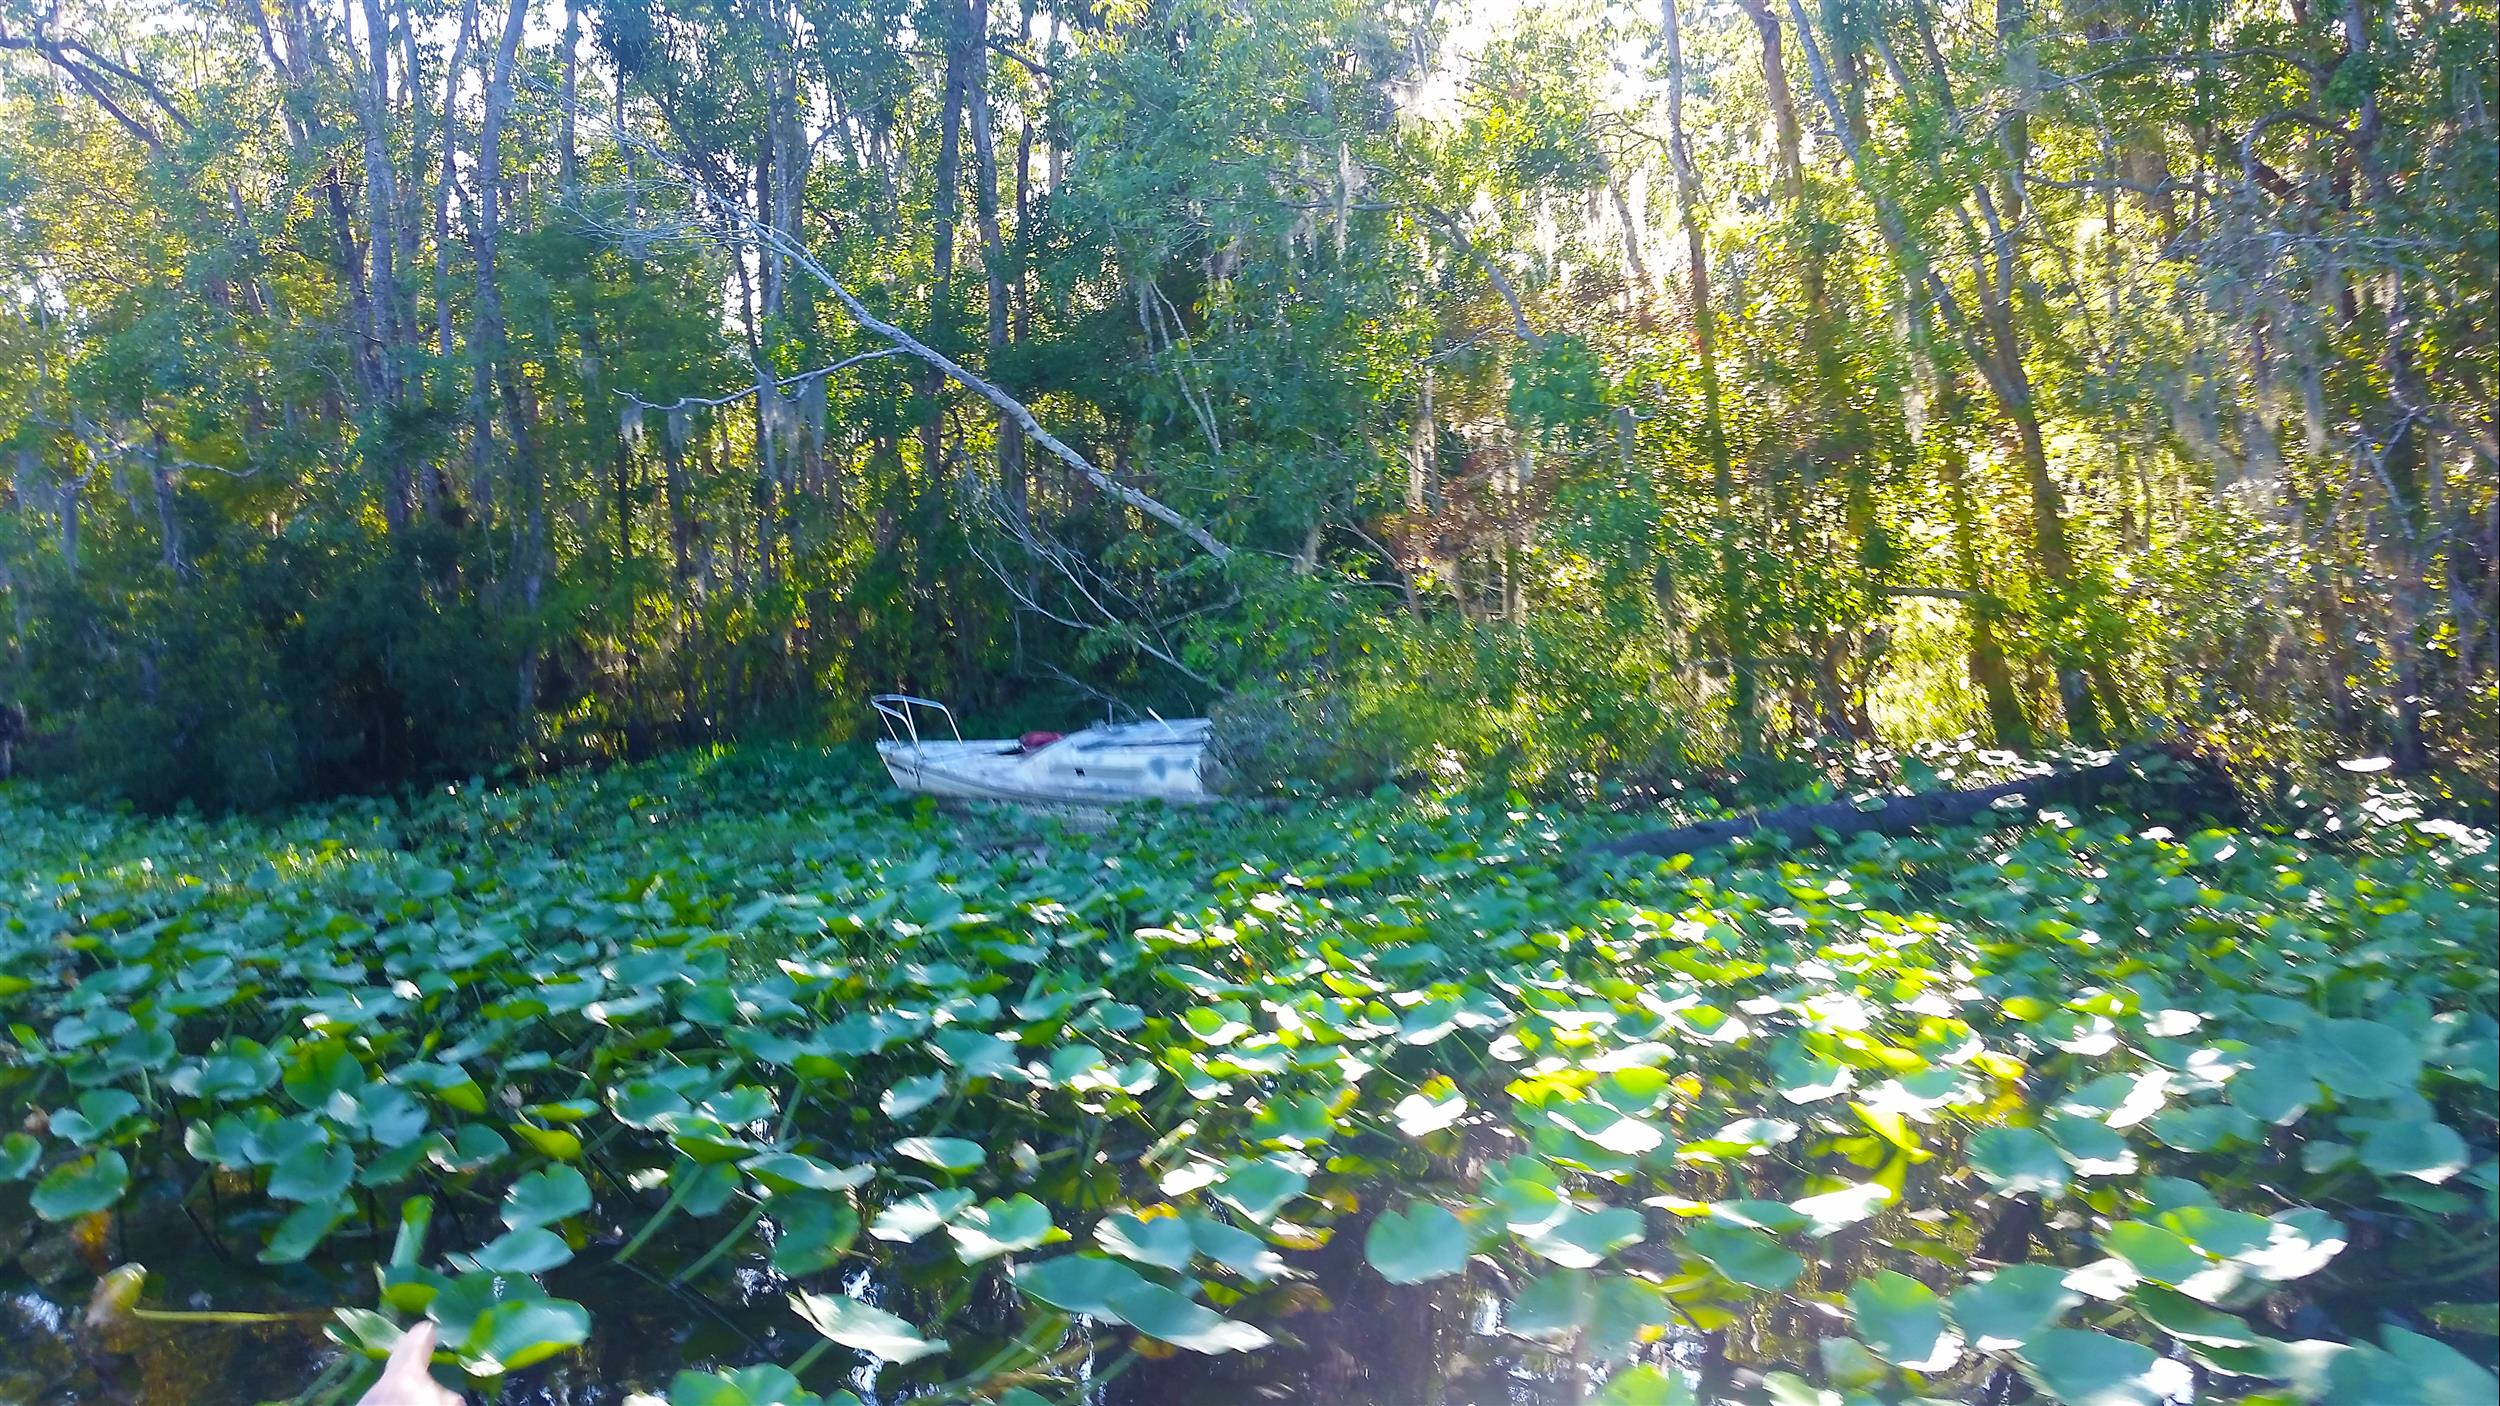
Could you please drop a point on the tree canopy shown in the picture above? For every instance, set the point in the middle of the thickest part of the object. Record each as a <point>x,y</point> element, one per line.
<point>396,389</point>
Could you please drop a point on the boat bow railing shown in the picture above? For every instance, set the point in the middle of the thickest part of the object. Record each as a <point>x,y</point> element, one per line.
<point>901,715</point>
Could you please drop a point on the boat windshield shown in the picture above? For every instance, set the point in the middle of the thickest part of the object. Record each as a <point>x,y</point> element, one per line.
<point>1155,733</point>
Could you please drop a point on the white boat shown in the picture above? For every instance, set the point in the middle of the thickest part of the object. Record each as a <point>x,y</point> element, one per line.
<point>1106,765</point>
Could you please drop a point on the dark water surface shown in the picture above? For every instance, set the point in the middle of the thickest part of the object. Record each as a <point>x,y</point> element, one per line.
<point>1378,1346</point>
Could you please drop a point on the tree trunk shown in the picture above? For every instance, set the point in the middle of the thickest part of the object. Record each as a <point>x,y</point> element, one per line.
<point>494,359</point>
<point>2143,779</point>
<point>1998,356</point>
<point>1734,628</point>
<point>943,200</point>
<point>993,257</point>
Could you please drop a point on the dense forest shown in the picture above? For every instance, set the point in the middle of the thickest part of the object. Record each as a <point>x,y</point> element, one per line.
<point>399,390</point>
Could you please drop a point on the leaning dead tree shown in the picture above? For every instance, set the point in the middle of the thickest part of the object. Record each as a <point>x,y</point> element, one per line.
<point>2151,779</point>
<point>742,226</point>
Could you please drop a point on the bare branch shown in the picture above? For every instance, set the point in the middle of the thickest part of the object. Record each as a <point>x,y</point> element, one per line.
<point>690,402</point>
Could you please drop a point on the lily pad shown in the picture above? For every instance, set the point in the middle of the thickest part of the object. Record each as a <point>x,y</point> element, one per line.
<point>1421,1243</point>
<point>865,1327</point>
<point>82,1187</point>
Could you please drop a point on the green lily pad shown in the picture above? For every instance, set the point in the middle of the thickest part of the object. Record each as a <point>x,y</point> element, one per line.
<point>912,1095</point>
<point>1421,1243</point>
<point>2018,1160</point>
<point>914,1216</point>
<point>303,1230</point>
<point>950,1154</point>
<point>2189,1321</point>
<point>2083,1368</point>
<point>79,1188</point>
<point>2012,1306</point>
<point>1083,1284</point>
<point>817,1229</point>
<point>865,1327</point>
<point>522,1333</point>
<point>19,1152</point>
<point>1747,1257</point>
<point>1582,1239</point>
<point>2362,1058</point>
<point>1902,1320</point>
<point>1420,1113</point>
<point>995,1228</point>
<point>531,1250</point>
<point>1164,1315</point>
<point>1163,1242</point>
<point>312,1173</point>
<point>1260,1190</point>
<point>544,1197</point>
<point>1553,1307</point>
<point>789,1171</point>
<point>2414,1147</point>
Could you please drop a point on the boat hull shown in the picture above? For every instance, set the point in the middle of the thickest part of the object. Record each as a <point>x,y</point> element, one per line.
<point>1095,769</point>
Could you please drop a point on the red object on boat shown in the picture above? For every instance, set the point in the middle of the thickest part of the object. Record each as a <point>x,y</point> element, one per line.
<point>1036,741</point>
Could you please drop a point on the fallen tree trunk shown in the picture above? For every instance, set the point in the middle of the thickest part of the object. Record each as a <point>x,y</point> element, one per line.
<point>2156,781</point>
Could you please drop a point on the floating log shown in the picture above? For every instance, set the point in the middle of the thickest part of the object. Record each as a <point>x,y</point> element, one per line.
<point>2156,780</point>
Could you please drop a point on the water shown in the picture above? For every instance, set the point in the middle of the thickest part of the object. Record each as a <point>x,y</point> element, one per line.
<point>1373,1344</point>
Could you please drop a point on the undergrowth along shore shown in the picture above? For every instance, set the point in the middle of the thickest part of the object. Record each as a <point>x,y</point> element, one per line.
<point>2126,1113</point>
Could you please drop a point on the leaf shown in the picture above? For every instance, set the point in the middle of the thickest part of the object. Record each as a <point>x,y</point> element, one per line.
<point>1747,1257</point>
<point>1260,1189</point>
<point>788,1171</point>
<point>19,1152</point>
<point>2186,1319</point>
<point>2011,1306</point>
<point>996,1228</point>
<point>1421,1113</point>
<point>1421,1243</point>
<point>1164,1315</point>
<point>949,1154</point>
<point>743,1386</point>
<point>2095,1148</point>
<point>2018,1160</point>
<point>303,1229</point>
<point>1076,1283</point>
<point>1234,1248</point>
<point>312,1173</point>
<point>81,1188</point>
<point>2362,1058</point>
<point>546,1196</point>
<point>865,1327</point>
<point>2414,1147</point>
<point>531,1250</point>
<point>1581,1239</point>
<point>2082,1368</point>
<point>2276,1087</point>
<point>912,1095</point>
<point>1163,1242</point>
<point>1553,1307</point>
<point>1836,1210</point>
<point>1615,1132</point>
<point>2165,1257</point>
<point>1901,1319</point>
<point>817,1229</point>
<point>562,1144</point>
<point>2444,1376</point>
<point>914,1216</point>
<point>522,1333</point>
<point>2480,1319</point>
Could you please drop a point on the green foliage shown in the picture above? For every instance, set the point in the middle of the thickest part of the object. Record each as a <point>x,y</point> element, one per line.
<point>738,1000</point>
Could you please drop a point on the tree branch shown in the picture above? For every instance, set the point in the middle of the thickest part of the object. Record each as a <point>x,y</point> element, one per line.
<point>767,238</point>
